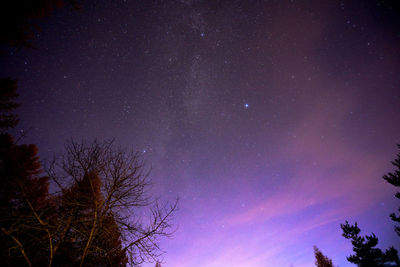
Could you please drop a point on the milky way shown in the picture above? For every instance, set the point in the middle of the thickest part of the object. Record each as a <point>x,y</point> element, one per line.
<point>272,121</point>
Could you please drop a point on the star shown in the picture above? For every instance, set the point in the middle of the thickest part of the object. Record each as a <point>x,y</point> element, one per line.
<point>246,106</point>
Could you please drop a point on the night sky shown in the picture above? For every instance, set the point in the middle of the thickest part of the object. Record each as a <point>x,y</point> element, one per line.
<point>273,121</point>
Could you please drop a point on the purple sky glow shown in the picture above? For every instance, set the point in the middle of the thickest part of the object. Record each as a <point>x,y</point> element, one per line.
<point>273,121</point>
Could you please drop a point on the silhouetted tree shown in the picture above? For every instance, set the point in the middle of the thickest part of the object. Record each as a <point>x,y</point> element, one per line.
<point>96,219</point>
<point>24,202</point>
<point>321,260</point>
<point>366,253</point>
<point>8,91</point>
<point>77,207</point>
<point>103,197</point>
<point>394,179</point>
<point>22,190</point>
<point>158,264</point>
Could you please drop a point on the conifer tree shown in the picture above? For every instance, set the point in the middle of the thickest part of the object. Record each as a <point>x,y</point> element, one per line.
<point>366,253</point>
<point>394,179</point>
<point>102,190</point>
<point>78,206</point>
<point>24,203</point>
<point>321,260</point>
<point>39,229</point>
<point>8,91</point>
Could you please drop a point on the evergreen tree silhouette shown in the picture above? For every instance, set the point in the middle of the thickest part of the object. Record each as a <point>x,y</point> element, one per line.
<point>78,204</point>
<point>38,229</point>
<point>394,179</point>
<point>23,201</point>
<point>366,253</point>
<point>321,260</point>
<point>8,91</point>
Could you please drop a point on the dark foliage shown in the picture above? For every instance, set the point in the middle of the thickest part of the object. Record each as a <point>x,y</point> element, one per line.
<point>102,205</point>
<point>23,200</point>
<point>42,230</point>
<point>394,179</point>
<point>76,207</point>
<point>80,225</point>
<point>91,221</point>
<point>8,91</point>
<point>366,253</point>
<point>321,260</point>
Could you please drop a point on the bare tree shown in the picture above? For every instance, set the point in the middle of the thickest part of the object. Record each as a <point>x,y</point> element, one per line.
<point>103,185</point>
<point>96,217</point>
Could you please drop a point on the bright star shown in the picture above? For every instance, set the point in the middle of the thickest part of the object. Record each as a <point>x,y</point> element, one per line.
<point>246,105</point>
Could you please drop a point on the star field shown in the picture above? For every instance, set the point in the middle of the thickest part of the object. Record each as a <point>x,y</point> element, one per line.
<point>273,121</point>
